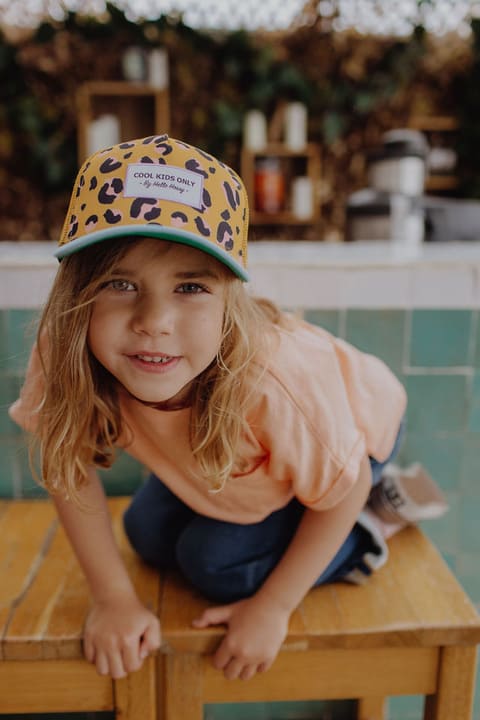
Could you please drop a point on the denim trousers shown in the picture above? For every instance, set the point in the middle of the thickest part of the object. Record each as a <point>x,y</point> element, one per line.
<point>226,561</point>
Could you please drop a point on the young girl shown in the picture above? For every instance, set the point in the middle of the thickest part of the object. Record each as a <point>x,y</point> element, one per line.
<point>262,434</point>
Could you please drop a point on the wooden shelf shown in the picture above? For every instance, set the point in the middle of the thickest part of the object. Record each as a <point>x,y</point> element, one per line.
<point>141,110</point>
<point>441,182</point>
<point>433,123</point>
<point>293,164</point>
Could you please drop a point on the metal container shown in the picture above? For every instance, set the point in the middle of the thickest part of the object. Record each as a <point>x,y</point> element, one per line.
<point>398,165</point>
<point>388,217</point>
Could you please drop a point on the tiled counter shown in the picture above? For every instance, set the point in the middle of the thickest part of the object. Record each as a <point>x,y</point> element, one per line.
<point>419,312</point>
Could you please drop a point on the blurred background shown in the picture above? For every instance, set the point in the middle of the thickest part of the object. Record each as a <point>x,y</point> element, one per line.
<point>302,90</point>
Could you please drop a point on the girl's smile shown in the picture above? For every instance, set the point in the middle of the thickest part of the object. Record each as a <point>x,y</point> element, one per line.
<point>155,363</point>
<point>156,324</point>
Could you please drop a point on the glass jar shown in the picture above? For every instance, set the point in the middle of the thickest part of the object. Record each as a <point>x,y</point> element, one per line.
<point>269,186</point>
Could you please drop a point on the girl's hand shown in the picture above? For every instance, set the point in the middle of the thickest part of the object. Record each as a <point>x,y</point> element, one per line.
<point>119,635</point>
<point>256,631</point>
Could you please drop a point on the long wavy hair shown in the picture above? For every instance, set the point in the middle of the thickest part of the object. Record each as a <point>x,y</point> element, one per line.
<point>79,415</point>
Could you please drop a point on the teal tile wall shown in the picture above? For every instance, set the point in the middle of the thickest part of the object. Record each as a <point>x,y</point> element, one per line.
<point>436,353</point>
<point>441,339</point>
<point>381,333</point>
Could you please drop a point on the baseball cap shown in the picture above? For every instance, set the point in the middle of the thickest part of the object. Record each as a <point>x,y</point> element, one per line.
<point>159,187</point>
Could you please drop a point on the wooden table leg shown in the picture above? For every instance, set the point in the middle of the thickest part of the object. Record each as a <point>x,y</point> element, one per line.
<point>371,708</point>
<point>135,695</point>
<point>456,679</point>
<point>183,686</point>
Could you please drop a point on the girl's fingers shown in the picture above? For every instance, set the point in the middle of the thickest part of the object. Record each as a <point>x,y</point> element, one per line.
<point>116,666</point>
<point>131,657</point>
<point>89,650</point>
<point>248,672</point>
<point>233,669</point>
<point>101,663</point>
<point>151,640</point>
<point>222,657</point>
<point>213,616</point>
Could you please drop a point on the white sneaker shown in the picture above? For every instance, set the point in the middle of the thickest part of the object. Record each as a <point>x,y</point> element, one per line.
<point>409,494</point>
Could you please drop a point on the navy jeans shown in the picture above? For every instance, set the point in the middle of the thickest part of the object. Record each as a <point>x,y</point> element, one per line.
<point>227,561</point>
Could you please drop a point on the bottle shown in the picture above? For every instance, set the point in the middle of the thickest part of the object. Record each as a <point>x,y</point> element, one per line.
<point>269,186</point>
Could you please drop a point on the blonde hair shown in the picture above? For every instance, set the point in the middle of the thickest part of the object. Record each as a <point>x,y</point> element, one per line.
<point>79,416</point>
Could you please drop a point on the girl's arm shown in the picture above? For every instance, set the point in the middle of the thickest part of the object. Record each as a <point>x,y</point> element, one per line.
<point>119,631</point>
<point>258,625</point>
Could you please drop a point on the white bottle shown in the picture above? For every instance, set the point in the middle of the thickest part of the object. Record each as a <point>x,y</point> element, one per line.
<point>158,75</point>
<point>255,131</point>
<point>296,126</point>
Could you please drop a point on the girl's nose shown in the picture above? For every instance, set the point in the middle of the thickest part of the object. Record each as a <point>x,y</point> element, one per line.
<point>152,317</point>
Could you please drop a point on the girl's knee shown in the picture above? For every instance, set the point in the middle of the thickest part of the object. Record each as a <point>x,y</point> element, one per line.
<point>199,562</point>
<point>220,575</point>
<point>192,554</point>
<point>135,529</point>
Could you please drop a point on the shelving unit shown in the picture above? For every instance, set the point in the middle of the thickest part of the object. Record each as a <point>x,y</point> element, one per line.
<point>293,164</point>
<point>437,129</point>
<point>141,110</point>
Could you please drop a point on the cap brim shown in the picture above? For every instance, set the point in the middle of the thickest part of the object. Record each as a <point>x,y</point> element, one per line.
<point>158,231</point>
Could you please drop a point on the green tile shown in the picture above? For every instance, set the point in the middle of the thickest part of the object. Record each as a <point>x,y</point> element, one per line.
<point>327,319</point>
<point>468,575</point>
<point>406,707</point>
<point>21,329</point>
<point>301,710</point>
<point>380,332</point>
<point>436,403</point>
<point>124,477</point>
<point>440,338</point>
<point>474,415</point>
<point>9,390</point>
<point>476,330</point>
<point>469,538</point>
<point>441,455</point>
<point>469,480</point>
<point>443,531</point>
<point>3,340</point>
<point>9,467</point>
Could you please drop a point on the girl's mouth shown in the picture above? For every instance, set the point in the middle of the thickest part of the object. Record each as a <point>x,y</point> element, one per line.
<point>154,363</point>
<point>157,359</point>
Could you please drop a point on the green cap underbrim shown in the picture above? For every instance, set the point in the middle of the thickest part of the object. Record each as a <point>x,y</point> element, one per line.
<point>158,231</point>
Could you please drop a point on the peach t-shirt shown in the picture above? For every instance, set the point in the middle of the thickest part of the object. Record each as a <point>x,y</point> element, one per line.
<point>321,406</point>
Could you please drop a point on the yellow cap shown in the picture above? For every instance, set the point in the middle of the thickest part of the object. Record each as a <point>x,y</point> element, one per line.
<point>159,187</point>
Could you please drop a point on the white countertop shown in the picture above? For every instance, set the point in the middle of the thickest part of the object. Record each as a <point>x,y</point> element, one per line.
<point>302,274</point>
<point>300,253</point>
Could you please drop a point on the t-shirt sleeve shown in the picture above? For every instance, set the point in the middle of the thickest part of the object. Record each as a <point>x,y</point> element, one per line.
<point>24,411</point>
<point>312,441</point>
<point>377,399</point>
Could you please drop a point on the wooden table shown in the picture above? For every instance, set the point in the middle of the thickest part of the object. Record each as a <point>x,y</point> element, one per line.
<point>410,630</point>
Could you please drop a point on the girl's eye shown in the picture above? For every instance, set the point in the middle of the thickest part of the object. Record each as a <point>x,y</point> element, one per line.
<point>191,288</point>
<point>120,285</point>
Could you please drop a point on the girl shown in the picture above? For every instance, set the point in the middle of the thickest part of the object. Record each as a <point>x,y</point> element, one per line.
<point>263,434</point>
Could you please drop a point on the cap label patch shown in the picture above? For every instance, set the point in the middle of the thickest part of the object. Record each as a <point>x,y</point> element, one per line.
<point>164,182</point>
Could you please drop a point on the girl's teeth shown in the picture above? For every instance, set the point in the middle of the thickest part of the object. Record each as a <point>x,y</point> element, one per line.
<point>154,359</point>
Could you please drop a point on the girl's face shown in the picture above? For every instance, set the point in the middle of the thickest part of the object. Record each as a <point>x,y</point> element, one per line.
<point>157,322</point>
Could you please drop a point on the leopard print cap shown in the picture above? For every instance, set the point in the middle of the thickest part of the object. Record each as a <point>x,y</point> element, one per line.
<point>159,187</point>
